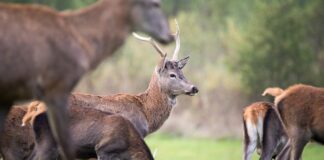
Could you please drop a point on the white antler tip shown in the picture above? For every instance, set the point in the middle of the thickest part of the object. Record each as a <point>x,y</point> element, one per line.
<point>141,37</point>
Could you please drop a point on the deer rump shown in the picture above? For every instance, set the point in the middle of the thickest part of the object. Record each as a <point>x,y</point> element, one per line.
<point>301,108</point>
<point>262,131</point>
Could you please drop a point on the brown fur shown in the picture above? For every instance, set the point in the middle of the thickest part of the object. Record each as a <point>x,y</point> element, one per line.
<point>254,111</point>
<point>262,130</point>
<point>301,108</point>
<point>17,142</point>
<point>95,133</point>
<point>147,110</point>
<point>62,47</point>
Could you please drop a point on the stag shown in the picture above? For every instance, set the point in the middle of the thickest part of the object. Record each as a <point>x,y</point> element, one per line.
<point>262,130</point>
<point>44,53</point>
<point>147,110</point>
<point>301,109</point>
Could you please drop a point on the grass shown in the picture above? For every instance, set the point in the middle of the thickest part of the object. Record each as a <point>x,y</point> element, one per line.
<point>178,148</point>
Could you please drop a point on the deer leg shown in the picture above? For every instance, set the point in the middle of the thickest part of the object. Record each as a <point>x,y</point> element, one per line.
<point>268,148</point>
<point>112,149</point>
<point>58,120</point>
<point>297,146</point>
<point>250,140</point>
<point>285,152</point>
<point>45,146</point>
<point>140,151</point>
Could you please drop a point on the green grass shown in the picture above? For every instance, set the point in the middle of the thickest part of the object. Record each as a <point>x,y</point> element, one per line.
<point>177,148</point>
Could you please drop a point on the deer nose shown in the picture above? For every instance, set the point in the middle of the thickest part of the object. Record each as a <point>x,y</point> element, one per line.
<point>166,39</point>
<point>194,89</point>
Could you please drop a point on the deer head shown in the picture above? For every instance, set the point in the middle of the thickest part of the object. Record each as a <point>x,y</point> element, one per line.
<point>147,16</point>
<point>169,71</point>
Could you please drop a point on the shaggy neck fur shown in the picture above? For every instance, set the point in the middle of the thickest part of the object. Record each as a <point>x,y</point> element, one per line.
<point>157,104</point>
<point>104,25</point>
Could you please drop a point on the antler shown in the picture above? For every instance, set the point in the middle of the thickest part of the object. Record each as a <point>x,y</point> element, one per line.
<point>152,42</point>
<point>177,39</point>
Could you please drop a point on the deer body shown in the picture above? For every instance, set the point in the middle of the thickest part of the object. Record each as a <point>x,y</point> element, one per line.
<point>147,111</point>
<point>262,130</point>
<point>301,108</point>
<point>96,134</point>
<point>44,52</point>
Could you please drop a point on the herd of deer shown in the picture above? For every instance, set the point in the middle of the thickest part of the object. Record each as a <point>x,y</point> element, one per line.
<point>281,130</point>
<point>44,53</point>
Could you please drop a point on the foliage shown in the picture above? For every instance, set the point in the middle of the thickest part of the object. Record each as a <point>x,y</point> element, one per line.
<point>278,47</point>
<point>58,4</point>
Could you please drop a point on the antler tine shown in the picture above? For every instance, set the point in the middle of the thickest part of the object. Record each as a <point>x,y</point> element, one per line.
<point>152,42</point>
<point>177,38</point>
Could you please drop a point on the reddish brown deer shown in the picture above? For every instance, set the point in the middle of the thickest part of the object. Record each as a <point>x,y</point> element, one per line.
<point>44,53</point>
<point>96,134</point>
<point>301,109</point>
<point>262,130</point>
<point>147,110</point>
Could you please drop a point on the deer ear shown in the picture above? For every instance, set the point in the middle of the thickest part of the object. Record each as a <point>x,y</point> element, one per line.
<point>183,62</point>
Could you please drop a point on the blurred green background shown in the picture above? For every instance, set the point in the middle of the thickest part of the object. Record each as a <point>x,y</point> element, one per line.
<point>237,49</point>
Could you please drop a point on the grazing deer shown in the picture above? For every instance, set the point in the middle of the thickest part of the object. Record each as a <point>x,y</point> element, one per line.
<point>262,130</point>
<point>44,53</point>
<point>301,109</point>
<point>96,134</point>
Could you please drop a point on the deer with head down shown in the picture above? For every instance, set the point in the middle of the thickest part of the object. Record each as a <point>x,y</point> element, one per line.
<point>301,109</point>
<point>146,111</point>
<point>96,134</point>
<point>44,53</point>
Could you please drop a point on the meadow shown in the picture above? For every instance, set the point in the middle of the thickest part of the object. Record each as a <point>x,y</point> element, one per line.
<point>184,148</point>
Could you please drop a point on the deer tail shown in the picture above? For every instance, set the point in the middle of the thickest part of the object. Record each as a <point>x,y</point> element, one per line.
<point>275,91</point>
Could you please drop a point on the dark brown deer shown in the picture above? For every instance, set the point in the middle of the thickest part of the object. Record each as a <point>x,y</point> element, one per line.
<point>301,109</point>
<point>262,130</point>
<point>44,52</point>
<point>96,134</point>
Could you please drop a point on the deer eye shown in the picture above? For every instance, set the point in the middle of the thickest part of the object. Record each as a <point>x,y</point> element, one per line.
<point>173,75</point>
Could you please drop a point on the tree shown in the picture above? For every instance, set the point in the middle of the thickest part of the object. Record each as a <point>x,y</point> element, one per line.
<point>278,49</point>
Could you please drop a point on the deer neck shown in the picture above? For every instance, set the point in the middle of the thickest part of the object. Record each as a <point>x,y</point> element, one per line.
<point>104,26</point>
<point>157,104</point>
